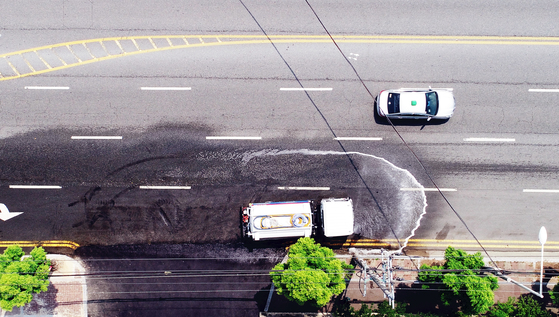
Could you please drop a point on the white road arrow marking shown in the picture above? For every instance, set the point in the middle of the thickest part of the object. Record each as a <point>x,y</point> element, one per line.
<point>5,214</point>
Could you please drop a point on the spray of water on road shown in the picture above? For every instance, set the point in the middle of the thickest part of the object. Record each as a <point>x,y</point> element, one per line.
<point>383,211</point>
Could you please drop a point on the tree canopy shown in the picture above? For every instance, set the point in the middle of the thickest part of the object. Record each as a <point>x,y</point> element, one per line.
<point>461,276</point>
<point>311,274</point>
<point>22,277</point>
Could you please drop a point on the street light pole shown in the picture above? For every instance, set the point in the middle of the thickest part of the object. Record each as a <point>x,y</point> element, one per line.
<point>543,238</point>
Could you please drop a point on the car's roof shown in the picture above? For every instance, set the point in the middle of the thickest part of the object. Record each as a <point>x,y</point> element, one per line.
<point>413,102</point>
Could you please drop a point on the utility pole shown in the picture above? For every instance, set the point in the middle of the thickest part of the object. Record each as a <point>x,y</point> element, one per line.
<point>384,279</point>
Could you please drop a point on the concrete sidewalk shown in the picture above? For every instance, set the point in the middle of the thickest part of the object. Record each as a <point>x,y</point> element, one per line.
<point>66,295</point>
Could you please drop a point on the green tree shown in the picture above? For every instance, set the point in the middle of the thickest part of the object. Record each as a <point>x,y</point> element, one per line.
<point>22,277</point>
<point>463,280</point>
<point>384,309</point>
<point>505,309</point>
<point>527,306</point>
<point>311,274</point>
<point>554,294</point>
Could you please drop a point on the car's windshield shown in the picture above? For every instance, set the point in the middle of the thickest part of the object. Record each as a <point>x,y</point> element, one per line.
<point>432,106</point>
<point>393,103</point>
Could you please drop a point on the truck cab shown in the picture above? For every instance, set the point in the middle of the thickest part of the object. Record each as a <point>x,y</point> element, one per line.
<point>336,216</point>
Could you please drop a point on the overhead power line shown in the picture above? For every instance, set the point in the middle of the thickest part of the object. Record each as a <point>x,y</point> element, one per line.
<point>400,136</point>
<point>327,124</point>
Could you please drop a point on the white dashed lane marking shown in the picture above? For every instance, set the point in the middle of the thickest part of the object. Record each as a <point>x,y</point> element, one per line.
<point>428,189</point>
<point>543,90</point>
<point>349,138</point>
<point>303,188</point>
<point>96,137</point>
<point>540,190</point>
<point>233,138</point>
<point>35,187</point>
<point>47,87</point>
<point>489,140</point>
<point>306,89</point>
<point>165,88</point>
<point>165,187</point>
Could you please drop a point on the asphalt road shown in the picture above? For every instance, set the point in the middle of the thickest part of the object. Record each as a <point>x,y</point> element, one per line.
<point>235,90</point>
<point>105,98</point>
<point>102,197</point>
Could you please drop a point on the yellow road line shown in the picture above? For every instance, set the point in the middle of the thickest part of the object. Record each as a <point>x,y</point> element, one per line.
<point>49,243</point>
<point>28,64</point>
<point>207,40</point>
<point>119,46</point>
<point>471,241</point>
<point>447,39</point>
<point>488,244</point>
<point>136,44</point>
<point>152,43</point>
<point>39,56</point>
<point>76,56</point>
<point>13,67</point>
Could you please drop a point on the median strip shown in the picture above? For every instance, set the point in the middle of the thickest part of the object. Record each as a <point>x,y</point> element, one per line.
<point>98,50</point>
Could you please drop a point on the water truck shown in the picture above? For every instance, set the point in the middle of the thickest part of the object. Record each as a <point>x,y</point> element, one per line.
<point>295,219</point>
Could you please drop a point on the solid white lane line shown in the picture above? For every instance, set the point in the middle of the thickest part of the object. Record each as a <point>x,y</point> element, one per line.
<point>543,90</point>
<point>165,88</point>
<point>540,190</point>
<point>304,188</point>
<point>349,138</point>
<point>306,89</point>
<point>47,87</point>
<point>165,187</point>
<point>428,189</point>
<point>489,140</point>
<point>96,137</point>
<point>233,138</point>
<point>35,187</point>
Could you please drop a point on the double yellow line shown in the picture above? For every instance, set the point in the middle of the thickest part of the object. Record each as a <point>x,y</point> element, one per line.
<point>364,243</point>
<point>48,58</point>
<point>49,243</point>
<point>443,244</point>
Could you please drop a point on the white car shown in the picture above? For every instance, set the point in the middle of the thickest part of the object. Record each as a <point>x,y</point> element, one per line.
<point>416,103</point>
